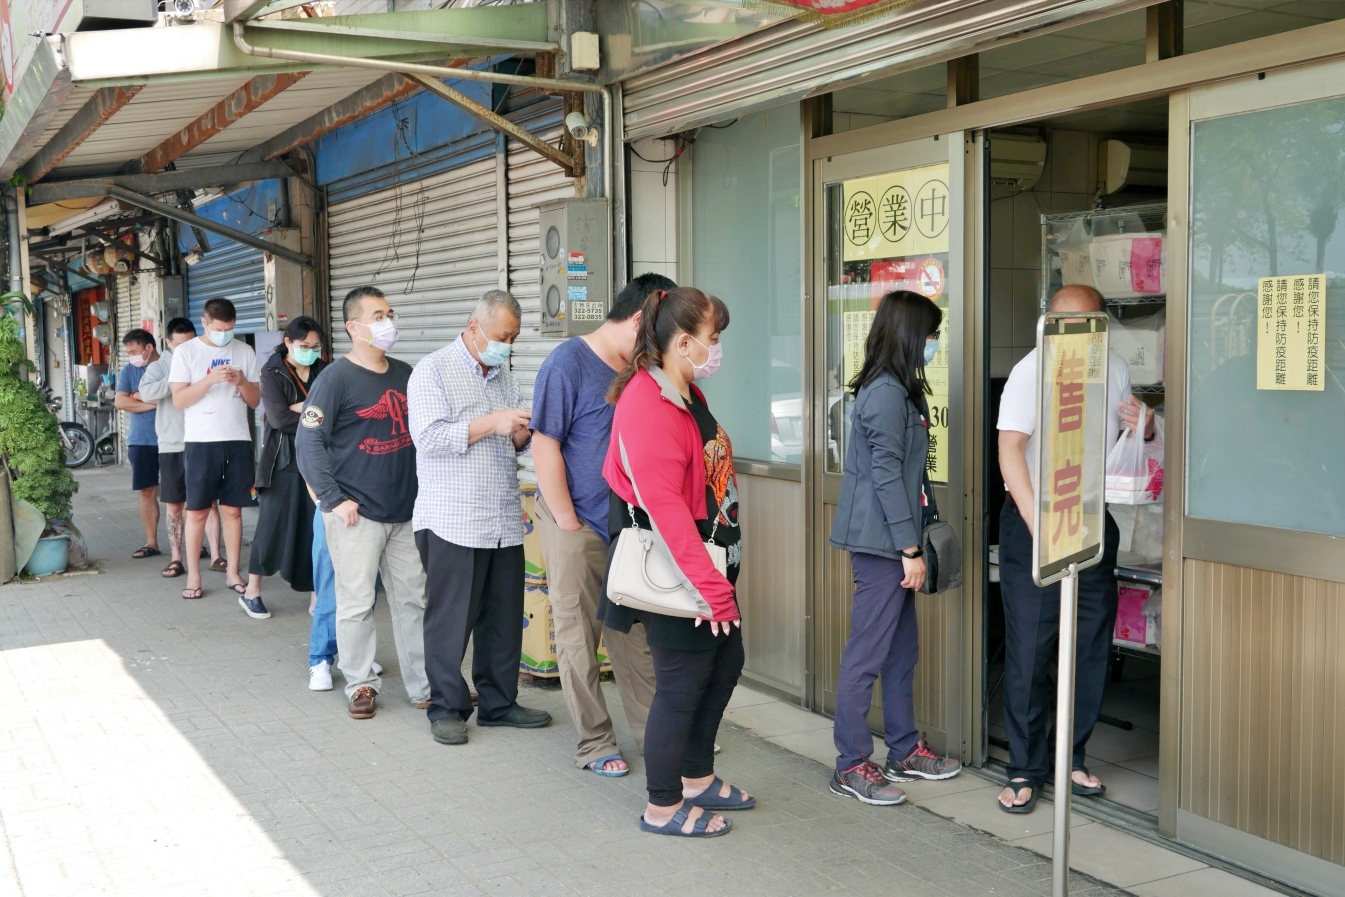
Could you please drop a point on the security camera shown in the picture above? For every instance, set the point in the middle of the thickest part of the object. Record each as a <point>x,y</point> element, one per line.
<point>192,257</point>
<point>183,9</point>
<point>580,129</point>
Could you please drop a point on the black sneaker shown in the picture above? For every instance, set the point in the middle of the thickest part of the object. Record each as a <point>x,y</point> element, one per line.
<point>254,607</point>
<point>866,784</point>
<point>519,717</point>
<point>921,764</point>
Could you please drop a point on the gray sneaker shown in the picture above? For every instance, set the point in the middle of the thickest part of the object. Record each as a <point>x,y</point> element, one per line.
<point>921,764</point>
<point>866,784</point>
<point>449,730</point>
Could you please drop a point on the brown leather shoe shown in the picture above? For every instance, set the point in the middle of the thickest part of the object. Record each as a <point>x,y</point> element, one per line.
<point>362,704</point>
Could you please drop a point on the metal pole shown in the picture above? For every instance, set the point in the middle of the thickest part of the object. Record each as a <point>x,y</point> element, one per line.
<point>1064,730</point>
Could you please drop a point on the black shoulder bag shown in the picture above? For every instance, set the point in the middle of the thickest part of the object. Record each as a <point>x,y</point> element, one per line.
<point>942,550</point>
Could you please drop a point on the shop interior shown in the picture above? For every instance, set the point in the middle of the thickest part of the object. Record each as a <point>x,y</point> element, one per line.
<point>1082,199</point>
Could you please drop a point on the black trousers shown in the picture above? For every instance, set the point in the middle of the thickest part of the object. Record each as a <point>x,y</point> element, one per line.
<point>476,592</point>
<point>1032,633</point>
<point>692,689</point>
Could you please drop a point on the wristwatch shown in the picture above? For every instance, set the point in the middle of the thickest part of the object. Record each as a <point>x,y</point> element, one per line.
<point>912,555</point>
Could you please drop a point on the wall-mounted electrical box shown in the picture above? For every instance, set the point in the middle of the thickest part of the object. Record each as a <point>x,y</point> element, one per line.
<point>576,241</point>
<point>174,297</point>
<point>283,279</point>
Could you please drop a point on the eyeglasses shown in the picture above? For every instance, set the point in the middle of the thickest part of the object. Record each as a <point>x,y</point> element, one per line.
<point>390,316</point>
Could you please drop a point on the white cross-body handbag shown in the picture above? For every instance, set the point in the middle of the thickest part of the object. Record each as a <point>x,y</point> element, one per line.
<point>644,575</point>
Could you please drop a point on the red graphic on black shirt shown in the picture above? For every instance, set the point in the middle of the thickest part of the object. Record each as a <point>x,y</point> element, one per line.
<point>391,406</point>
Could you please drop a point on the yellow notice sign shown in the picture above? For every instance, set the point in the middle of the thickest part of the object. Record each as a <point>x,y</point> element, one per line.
<point>857,326</point>
<point>1291,332</point>
<point>1074,397</point>
<point>901,213</point>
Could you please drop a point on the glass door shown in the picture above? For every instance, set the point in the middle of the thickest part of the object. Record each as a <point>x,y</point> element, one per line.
<point>884,220</point>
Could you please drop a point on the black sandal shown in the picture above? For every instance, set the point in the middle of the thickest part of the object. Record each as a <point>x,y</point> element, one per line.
<point>698,828</point>
<point>1018,785</point>
<point>710,799</point>
<point>1081,790</point>
<point>145,552</point>
<point>173,570</point>
<point>185,595</point>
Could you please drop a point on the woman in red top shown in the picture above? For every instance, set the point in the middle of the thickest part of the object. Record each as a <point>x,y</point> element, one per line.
<point>683,462</point>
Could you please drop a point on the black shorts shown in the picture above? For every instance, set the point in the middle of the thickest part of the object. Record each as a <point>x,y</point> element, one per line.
<point>172,478</point>
<point>218,471</point>
<point>144,465</point>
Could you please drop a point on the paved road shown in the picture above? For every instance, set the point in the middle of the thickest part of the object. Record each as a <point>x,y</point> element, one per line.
<point>156,746</point>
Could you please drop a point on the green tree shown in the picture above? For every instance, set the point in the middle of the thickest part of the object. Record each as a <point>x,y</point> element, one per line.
<point>30,444</point>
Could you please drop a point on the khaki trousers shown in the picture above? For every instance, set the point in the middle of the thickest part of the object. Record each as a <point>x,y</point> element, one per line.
<point>576,563</point>
<point>359,554</point>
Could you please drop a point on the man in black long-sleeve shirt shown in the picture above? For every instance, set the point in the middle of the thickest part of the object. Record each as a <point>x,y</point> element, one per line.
<point>357,455</point>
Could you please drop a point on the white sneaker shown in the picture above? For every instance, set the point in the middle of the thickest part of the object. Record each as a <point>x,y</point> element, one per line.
<point>320,677</point>
<point>378,670</point>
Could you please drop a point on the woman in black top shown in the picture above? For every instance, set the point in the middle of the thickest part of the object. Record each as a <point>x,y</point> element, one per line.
<point>283,542</point>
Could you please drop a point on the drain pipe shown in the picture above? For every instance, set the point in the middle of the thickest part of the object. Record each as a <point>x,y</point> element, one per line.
<point>438,71</point>
<point>15,247</point>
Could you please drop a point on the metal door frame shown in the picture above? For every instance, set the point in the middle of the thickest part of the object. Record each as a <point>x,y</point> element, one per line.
<point>960,501</point>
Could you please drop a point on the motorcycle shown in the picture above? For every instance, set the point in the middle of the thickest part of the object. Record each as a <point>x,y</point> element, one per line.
<point>76,440</point>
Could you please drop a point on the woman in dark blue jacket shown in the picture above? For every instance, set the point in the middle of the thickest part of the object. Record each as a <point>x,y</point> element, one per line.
<point>878,520</point>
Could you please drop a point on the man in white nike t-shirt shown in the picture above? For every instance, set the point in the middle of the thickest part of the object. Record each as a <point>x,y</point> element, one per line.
<point>215,381</point>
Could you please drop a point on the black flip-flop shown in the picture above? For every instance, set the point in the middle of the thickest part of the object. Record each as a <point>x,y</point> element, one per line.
<point>197,591</point>
<point>145,552</point>
<point>710,799</point>
<point>698,828</point>
<point>240,588</point>
<point>1082,791</point>
<point>1018,785</point>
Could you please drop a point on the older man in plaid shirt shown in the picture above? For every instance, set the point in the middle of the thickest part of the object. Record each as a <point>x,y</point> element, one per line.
<point>469,430</point>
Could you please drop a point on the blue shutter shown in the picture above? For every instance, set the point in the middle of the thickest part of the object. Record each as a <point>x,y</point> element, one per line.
<point>230,271</point>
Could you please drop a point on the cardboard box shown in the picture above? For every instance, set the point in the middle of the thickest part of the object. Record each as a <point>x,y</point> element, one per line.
<point>538,656</point>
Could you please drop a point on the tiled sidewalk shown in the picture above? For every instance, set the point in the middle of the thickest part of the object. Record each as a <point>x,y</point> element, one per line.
<point>157,746</point>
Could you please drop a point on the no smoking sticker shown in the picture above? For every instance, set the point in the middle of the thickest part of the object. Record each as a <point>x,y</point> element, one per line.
<point>930,279</point>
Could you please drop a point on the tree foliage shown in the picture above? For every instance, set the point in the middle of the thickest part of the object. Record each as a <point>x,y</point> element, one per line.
<point>30,443</point>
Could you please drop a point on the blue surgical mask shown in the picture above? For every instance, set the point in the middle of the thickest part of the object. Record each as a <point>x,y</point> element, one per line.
<point>931,349</point>
<point>304,355</point>
<point>495,354</point>
<point>220,338</point>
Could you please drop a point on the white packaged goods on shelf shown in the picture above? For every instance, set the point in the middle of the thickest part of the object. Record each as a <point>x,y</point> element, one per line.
<point>1128,266</point>
<point>1076,264</point>
<point>1142,343</point>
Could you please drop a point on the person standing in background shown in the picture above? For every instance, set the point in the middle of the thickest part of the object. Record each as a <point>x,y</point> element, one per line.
<point>571,428</point>
<point>356,453</point>
<point>469,431</point>
<point>283,542</point>
<point>142,444</point>
<point>154,387</point>
<point>215,381</point>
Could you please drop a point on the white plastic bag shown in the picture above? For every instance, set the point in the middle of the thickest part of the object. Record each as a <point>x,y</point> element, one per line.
<point>1135,468</point>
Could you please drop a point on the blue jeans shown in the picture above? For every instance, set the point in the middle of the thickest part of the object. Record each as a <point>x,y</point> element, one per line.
<point>322,636</point>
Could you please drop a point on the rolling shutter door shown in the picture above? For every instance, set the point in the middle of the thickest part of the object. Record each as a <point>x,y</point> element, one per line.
<point>230,271</point>
<point>791,60</point>
<point>428,244</point>
<point>533,182</point>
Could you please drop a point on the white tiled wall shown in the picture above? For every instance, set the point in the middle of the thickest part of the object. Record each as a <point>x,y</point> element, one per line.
<point>1067,185</point>
<point>653,210</point>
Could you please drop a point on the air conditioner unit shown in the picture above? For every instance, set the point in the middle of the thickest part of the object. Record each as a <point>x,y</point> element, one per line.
<point>283,279</point>
<point>1017,160</point>
<point>1122,165</point>
<point>576,241</point>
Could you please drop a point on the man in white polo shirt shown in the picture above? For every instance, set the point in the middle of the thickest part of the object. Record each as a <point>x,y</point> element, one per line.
<point>215,381</point>
<point>1032,614</point>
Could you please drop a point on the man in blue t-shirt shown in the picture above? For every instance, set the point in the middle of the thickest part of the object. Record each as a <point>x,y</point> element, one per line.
<point>142,444</point>
<point>571,426</point>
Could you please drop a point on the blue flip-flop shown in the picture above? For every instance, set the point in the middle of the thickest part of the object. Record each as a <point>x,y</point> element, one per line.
<point>709,799</point>
<point>698,828</point>
<point>595,767</point>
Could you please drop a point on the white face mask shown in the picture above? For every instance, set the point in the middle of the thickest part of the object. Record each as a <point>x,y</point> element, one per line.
<point>138,361</point>
<point>382,334</point>
<point>714,357</point>
<point>220,338</point>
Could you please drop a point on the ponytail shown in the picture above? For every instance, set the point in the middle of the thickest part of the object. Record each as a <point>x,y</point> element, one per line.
<point>665,314</point>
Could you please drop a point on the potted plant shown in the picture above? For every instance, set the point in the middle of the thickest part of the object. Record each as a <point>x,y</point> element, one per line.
<point>30,446</point>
